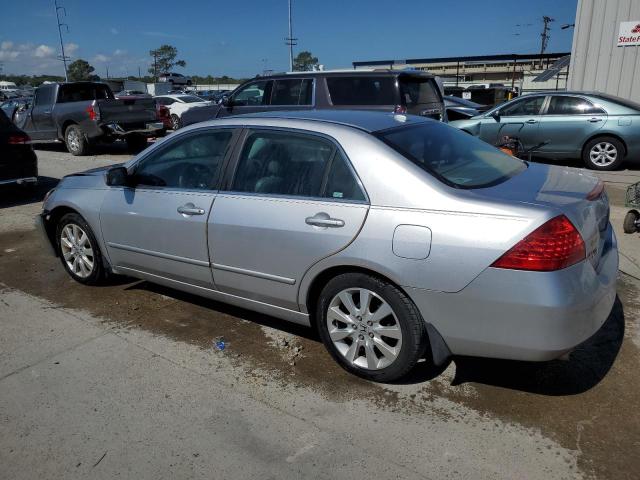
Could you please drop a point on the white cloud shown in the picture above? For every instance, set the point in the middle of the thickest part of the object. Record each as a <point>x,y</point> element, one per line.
<point>8,55</point>
<point>100,58</point>
<point>71,48</point>
<point>114,31</point>
<point>6,45</point>
<point>44,51</point>
<point>119,53</point>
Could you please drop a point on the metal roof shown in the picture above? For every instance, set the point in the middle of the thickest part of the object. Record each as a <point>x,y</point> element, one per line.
<point>476,58</point>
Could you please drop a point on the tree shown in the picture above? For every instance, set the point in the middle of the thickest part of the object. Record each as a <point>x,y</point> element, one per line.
<point>164,59</point>
<point>304,61</point>
<point>80,70</point>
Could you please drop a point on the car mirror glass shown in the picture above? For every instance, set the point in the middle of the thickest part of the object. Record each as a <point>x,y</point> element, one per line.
<point>496,115</point>
<point>117,177</point>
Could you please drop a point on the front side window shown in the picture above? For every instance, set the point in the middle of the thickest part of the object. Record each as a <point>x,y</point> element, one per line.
<point>452,156</point>
<point>44,96</point>
<point>563,105</point>
<point>190,99</point>
<point>362,90</point>
<point>282,164</point>
<point>191,162</point>
<point>292,92</point>
<point>526,106</point>
<point>251,95</point>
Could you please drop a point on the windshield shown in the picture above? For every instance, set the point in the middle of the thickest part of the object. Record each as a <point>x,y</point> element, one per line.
<point>190,99</point>
<point>418,93</point>
<point>454,157</point>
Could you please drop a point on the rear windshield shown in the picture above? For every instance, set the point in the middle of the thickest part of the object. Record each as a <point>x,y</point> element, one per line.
<point>82,92</point>
<point>454,157</point>
<point>362,90</point>
<point>622,101</point>
<point>418,93</point>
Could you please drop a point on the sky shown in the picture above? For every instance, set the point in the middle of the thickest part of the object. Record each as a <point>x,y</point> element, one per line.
<point>243,38</point>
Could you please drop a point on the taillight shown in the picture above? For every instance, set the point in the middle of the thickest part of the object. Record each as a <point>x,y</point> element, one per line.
<point>555,245</point>
<point>19,139</point>
<point>93,113</point>
<point>400,109</point>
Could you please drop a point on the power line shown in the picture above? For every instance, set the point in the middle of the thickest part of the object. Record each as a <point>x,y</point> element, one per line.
<point>62,57</point>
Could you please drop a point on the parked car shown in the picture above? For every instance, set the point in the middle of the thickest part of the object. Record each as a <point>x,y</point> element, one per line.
<point>18,161</point>
<point>11,107</point>
<point>402,91</point>
<point>164,115</point>
<point>461,109</point>
<point>397,237</point>
<point>175,79</point>
<point>178,105</point>
<point>601,129</point>
<point>82,113</point>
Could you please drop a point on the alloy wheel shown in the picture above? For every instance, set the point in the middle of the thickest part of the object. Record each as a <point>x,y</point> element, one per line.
<point>73,140</point>
<point>603,154</point>
<point>76,250</point>
<point>364,328</point>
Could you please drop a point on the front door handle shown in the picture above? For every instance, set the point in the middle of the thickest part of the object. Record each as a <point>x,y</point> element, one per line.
<point>323,219</point>
<point>531,120</point>
<point>595,120</point>
<point>190,209</point>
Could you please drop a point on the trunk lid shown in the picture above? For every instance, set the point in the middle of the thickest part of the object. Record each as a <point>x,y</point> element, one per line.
<point>575,193</point>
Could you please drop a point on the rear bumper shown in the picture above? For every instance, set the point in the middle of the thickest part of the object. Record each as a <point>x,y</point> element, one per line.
<point>534,316</point>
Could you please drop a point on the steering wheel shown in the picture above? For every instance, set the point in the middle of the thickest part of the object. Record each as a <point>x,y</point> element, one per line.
<point>195,176</point>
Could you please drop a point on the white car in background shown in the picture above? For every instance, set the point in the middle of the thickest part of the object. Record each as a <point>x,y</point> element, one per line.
<point>178,104</point>
<point>175,79</point>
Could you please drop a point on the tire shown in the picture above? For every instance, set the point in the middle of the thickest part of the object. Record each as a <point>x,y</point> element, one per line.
<point>136,143</point>
<point>176,121</point>
<point>357,344</point>
<point>603,153</point>
<point>82,267</point>
<point>630,219</point>
<point>76,141</point>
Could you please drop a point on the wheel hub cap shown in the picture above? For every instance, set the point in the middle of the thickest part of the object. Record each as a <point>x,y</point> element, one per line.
<point>76,250</point>
<point>364,328</point>
<point>603,154</point>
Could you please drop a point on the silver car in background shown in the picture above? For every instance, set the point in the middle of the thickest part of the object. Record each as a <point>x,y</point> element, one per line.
<point>399,238</point>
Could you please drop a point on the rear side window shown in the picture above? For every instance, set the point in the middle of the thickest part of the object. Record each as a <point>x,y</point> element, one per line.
<point>454,157</point>
<point>282,164</point>
<point>292,92</point>
<point>562,105</point>
<point>362,90</point>
<point>341,182</point>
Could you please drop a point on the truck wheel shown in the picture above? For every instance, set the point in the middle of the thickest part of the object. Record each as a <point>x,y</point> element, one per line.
<point>75,140</point>
<point>136,143</point>
<point>176,121</point>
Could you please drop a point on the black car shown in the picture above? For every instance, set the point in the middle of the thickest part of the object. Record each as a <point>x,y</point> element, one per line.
<point>462,109</point>
<point>18,161</point>
<point>399,91</point>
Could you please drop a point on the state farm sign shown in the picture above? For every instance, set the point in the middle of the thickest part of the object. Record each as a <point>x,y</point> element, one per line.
<point>629,34</point>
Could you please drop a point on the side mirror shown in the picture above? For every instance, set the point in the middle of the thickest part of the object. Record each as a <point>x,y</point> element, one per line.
<point>23,107</point>
<point>117,177</point>
<point>496,115</point>
<point>226,101</point>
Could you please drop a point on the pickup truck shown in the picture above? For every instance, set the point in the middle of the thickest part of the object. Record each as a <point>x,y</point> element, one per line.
<point>83,113</point>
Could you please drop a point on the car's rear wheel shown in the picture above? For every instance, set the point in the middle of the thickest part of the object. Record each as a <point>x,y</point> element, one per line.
<point>603,153</point>
<point>370,327</point>
<point>76,141</point>
<point>176,121</point>
<point>79,251</point>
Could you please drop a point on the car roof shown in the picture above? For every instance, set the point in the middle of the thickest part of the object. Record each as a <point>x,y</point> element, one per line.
<point>369,121</point>
<point>348,73</point>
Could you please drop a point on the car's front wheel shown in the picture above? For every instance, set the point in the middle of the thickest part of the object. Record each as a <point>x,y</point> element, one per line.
<point>370,327</point>
<point>603,153</point>
<point>78,249</point>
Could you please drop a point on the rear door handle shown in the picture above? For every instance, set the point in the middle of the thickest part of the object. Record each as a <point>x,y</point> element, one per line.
<point>531,120</point>
<point>190,209</point>
<point>323,219</point>
<point>595,120</point>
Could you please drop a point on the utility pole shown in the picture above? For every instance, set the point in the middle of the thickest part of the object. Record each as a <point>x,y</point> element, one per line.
<point>155,67</point>
<point>290,41</point>
<point>60,25</point>
<point>139,73</point>
<point>544,36</point>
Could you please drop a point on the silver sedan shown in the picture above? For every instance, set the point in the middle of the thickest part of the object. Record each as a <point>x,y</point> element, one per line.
<point>398,238</point>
